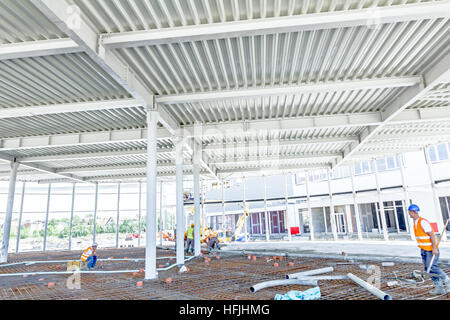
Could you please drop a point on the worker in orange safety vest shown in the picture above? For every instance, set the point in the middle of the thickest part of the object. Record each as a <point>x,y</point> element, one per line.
<point>89,256</point>
<point>426,241</point>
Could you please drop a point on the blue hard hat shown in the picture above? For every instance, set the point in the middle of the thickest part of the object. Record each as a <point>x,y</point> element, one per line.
<point>414,207</point>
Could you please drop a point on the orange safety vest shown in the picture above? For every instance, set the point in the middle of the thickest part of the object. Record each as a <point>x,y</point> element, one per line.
<point>423,239</point>
<point>86,253</point>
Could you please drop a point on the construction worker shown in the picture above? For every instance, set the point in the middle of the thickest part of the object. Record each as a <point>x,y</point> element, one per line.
<point>426,240</point>
<point>89,256</point>
<point>213,240</point>
<point>190,239</point>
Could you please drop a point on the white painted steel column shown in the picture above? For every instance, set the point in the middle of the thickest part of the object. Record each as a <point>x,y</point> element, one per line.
<point>151,179</point>
<point>308,202</point>
<point>245,209</point>
<point>324,211</point>
<point>9,212</point>
<point>94,232</point>
<point>332,213</point>
<point>118,215</point>
<point>380,201</point>
<point>46,216</point>
<point>19,227</point>
<point>160,213</point>
<point>197,156</point>
<point>179,199</point>
<point>71,216</point>
<point>224,238</point>
<point>139,214</point>
<point>437,206</point>
<point>355,204</point>
<point>408,221</point>
<point>266,218</point>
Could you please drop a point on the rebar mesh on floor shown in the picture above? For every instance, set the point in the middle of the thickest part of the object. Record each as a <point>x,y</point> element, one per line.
<point>226,278</point>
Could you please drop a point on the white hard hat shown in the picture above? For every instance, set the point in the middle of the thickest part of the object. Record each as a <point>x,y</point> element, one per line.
<point>94,244</point>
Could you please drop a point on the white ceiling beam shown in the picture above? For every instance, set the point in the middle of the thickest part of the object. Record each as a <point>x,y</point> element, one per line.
<point>59,12</point>
<point>437,74</point>
<point>275,169</point>
<point>304,22</point>
<point>367,84</point>
<point>119,167</point>
<point>79,139</point>
<point>281,157</point>
<point>68,107</point>
<point>229,146</point>
<point>89,155</point>
<point>37,48</point>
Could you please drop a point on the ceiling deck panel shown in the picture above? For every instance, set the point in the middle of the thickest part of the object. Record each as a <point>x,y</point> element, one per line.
<point>21,21</point>
<point>58,79</point>
<point>73,122</point>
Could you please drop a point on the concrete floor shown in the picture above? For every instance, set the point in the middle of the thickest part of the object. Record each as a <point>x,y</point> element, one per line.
<point>406,250</point>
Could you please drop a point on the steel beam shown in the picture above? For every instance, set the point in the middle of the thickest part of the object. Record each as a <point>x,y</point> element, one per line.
<point>303,22</point>
<point>37,48</point>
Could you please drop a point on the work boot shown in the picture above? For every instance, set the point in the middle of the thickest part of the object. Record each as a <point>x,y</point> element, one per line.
<point>438,290</point>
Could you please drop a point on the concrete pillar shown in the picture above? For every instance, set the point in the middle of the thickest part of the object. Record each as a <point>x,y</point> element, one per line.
<point>46,216</point>
<point>179,199</point>
<point>9,212</point>
<point>71,216</point>
<point>197,157</point>
<point>151,179</point>
<point>19,227</point>
<point>139,213</point>
<point>94,232</point>
<point>355,204</point>
<point>266,218</point>
<point>308,202</point>
<point>437,206</point>
<point>380,201</point>
<point>117,216</point>
<point>332,213</point>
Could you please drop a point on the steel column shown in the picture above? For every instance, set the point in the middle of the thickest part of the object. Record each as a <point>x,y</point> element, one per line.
<point>9,212</point>
<point>245,209</point>
<point>197,156</point>
<point>224,238</point>
<point>437,205</point>
<point>71,216</point>
<point>355,204</point>
<point>308,200</point>
<point>332,213</point>
<point>406,202</point>
<point>118,215</point>
<point>19,227</point>
<point>179,200</point>
<point>139,213</point>
<point>94,231</point>
<point>46,216</point>
<point>266,218</point>
<point>380,201</point>
<point>160,213</point>
<point>152,176</point>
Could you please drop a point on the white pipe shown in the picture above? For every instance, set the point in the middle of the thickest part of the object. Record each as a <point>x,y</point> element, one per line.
<point>338,277</point>
<point>373,290</point>
<point>309,273</point>
<point>283,282</point>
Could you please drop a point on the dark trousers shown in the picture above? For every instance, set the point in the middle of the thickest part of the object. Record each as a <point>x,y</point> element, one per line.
<point>213,242</point>
<point>190,244</point>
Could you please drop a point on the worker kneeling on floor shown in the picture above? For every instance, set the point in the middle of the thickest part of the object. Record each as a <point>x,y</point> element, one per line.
<point>89,256</point>
<point>426,240</point>
<point>190,239</point>
<point>213,240</point>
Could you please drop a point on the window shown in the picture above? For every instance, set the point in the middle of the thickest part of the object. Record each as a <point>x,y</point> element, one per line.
<point>391,163</point>
<point>442,152</point>
<point>432,154</point>
<point>381,164</point>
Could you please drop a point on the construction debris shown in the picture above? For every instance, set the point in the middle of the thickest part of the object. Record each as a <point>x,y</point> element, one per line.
<point>310,294</point>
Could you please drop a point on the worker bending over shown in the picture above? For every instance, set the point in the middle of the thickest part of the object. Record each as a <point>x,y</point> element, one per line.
<point>213,240</point>
<point>428,247</point>
<point>89,256</point>
<point>190,239</point>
